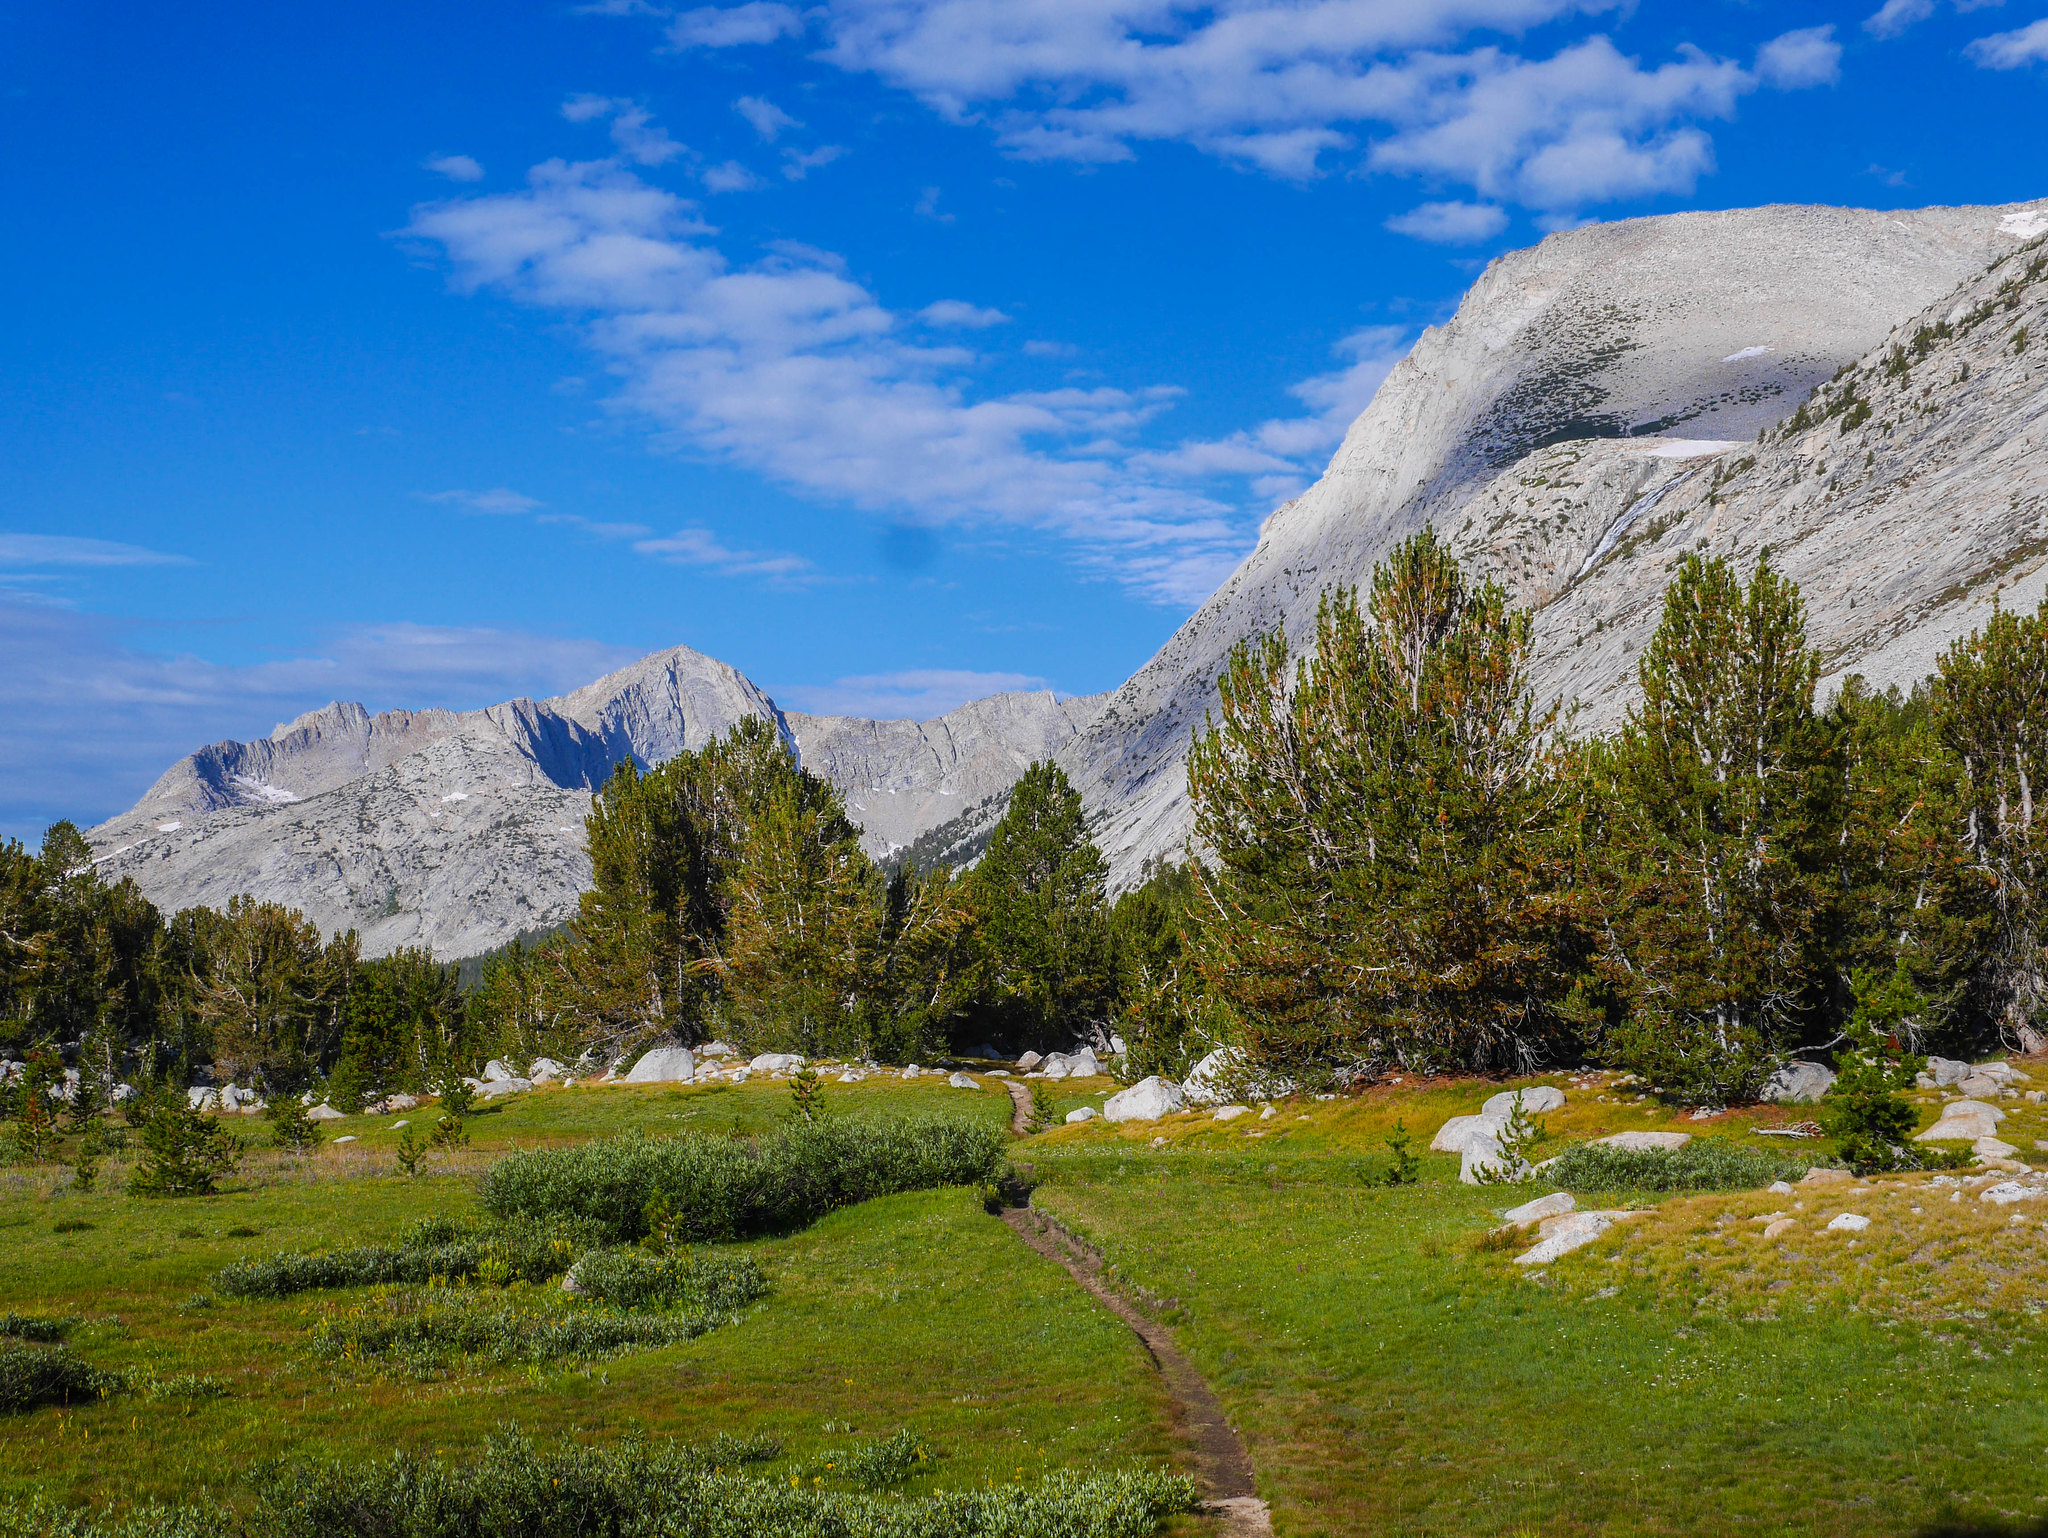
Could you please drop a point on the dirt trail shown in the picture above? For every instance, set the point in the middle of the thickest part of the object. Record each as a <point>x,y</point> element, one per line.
<point>1222,1467</point>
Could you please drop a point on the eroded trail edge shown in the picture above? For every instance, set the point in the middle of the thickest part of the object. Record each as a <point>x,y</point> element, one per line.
<point>1222,1467</point>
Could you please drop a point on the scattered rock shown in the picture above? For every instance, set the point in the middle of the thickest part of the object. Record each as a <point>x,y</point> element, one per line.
<point>1073,1065</point>
<point>201,1097</point>
<point>1850,1222</point>
<point>348,1139</point>
<point>999,1073</point>
<point>1230,1112</point>
<point>776,1062</point>
<point>1028,1061</point>
<point>1778,1226</point>
<point>1779,1188</point>
<point>545,1070</point>
<point>1085,1113</point>
<point>1562,1235</point>
<point>1452,1135</point>
<point>1798,1084</point>
<point>1482,1155</point>
<point>121,1094</point>
<point>961,1081</point>
<point>2006,1192</point>
<point>850,1077</point>
<point>1200,1086</point>
<point>1963,1121</point>
<point>1267,1114</point>
<point>716,1049</point>
<point>323,1113</point>
<point>911,1071</point>
<point>1640,1142</point>
<point>1554,1205</point>
<point>1992,1148</point>
<point>497,1070</point>
<point>1147,1100</point>
<point>1824,1177</point>
<point>1537,1098</point>
<point>663,1065</point>
<point>495,1087</point>
<point>1981,1084</point>
<point>1946,1071</point>
<point>399,1125</point>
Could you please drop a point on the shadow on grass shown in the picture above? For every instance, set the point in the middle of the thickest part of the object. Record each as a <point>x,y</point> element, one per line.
<point>1975,1527</point>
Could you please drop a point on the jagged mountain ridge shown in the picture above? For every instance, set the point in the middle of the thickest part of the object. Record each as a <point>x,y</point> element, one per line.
<point>460,830</point>
<point>1710,325</point>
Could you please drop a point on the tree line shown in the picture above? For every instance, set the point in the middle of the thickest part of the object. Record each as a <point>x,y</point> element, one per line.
<point>1401,859</point>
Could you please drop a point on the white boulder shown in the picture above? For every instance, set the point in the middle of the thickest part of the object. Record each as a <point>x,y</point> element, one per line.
<point>493,1088</point>
<point>545,1070</point>
<point>2006,1192</point>
<point>201,1097</point>
<point>1849,1222</point>
<point>1798,1084</point>
<point>1452,1135</point>
<point>777,1062</point>
<point>1085,1113</point>
<point>323,1113</point>
<point>1640,1142</point>
<point>348,1139</point>
<point>121,1094</point>
<point>1555,1205</point>
<point>1537,1098</point>
<point>497,1070</point>
<point>663,1065</point>
<point>1963,1121</point>
<point>1563,1235</point>
<point>1992,1148</point>
<point>1230,1112</point>
<point>716,1049</point>
<point>1147,1100</point>
<point>961,1081</point>
<point>1201,1087</point>
<point>1028,1061</point>
<point>1483,1155</point>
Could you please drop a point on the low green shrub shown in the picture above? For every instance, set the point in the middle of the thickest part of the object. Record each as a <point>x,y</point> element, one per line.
<point>873,1466</point>
<point>33,1327</point>
<point>33,1374</point>
<point>1705,1164</point>
<point>633,1279</point>
<point>518,1490</point>
<point>708,1188</point>
<point>521,1249</point>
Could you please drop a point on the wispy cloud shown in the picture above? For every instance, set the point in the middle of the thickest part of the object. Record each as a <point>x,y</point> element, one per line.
<point>798,164</point>
<point>499,499</point>
<point>2011,50</point>
<point>958,312</point>
<point>639,138</point>
<point>700,547</point>
<point>734,26</point>
<point>917,694</point>
<point>457,168</point>
<point>34,550</point>
<point>768,119</point>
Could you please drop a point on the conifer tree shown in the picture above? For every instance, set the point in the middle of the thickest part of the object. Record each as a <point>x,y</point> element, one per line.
<point>1390,831</point>
<point>1720,868</point>
<point>1044,965</point>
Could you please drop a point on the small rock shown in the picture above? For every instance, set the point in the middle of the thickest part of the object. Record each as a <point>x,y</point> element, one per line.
<point>1992,1148</point>
<point>2006,1192</point>
<point>716,1049</point>
<point>961,1081</point>
<point>1981,1084</point>
<point>999,1073</point>
<point>395,1126</point>
<point>1947,1071</point>
<point>1085,1113</point>
<point>1159,1142</point>
<point>493,1088</point>
<point>348,1139</point>
<point>1823,1177</point>
<point>1028,1061</point>
<point>1230,1112</point>
<point>1778,1226</point>
<point>850,1077</point>
<point>497,1070</point>
<point>2034,1096</point>
<point>1639,1142</point>
<point>323,1113</point>
<point>911,1072</point>
<point>1551,1206</point>
<point>1147,1100</point>
<point>1851,1222</point>
<point>1267,1114</point>
<point>1779,1188</point>
<point>545,1070</point>
<point>1562,1235</point>
<point>776,1062</point>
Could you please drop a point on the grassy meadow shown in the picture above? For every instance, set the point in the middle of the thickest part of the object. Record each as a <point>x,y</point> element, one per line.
<point>1387,1364</point>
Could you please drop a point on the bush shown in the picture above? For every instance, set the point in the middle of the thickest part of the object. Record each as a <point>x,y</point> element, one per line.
<point>32,1375</point>
<point>183,1150</point>
<point>432,1250</point>
<point>1707,1164</point>
<point>290,1126</point>
<point>15,1326</point>
<point>424,1331</point>
<point>719,1189</point>
<point>627,1279</point>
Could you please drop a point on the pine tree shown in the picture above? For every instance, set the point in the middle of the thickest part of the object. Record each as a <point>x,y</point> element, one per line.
<point>1720,859</point>
<point>1042,943</point>
<point>1392,877</point>
<point>183,1151</point>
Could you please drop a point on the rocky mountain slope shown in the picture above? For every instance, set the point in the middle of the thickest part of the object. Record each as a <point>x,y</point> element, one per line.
<point>459,831</point>
<point>1611,380</point>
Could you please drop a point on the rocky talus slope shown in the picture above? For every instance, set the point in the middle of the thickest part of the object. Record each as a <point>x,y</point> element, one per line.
<point>459,831</point>
<point>1604,382</point>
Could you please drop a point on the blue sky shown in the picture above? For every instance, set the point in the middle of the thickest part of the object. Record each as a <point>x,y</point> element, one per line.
<point>894,351</point>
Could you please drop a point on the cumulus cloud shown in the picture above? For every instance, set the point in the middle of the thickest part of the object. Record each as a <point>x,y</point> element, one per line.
<point>791,368</point>
<point>457,168</point>
<point>729,176</point>
<point>1451,224</point>
<point>958,312</point>
<point>639,138</point>
<point>94,718</point>
<point>733,26</point>
<point>1795,60</point>
<point>2011,50</point>
<point>916,694</point>
<point>1895,16</point>
<point>768,119</point>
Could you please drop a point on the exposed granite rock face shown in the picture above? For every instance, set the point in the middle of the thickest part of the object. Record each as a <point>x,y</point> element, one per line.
<point>1709,326</point>
<point>459,831</point>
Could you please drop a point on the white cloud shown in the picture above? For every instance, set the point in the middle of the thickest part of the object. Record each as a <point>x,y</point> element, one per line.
<point>2011,50</point>
<point>768,119</point>
<point>1793,61</point>
<point>33,550</point>
<point>634,130</point>
<point>731,26</point>
<point>700,547</point>
<point>1451,224</point>
<point>729,176</point>
<point>928,206</point>
<point>499,499</point>
<point>958,312</point>
<point>916,694</point>
<point>791,368</point>
<point>93,719</point>
<point>797,164</point>
<point>457,168</point>
<point>1895,16</point>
